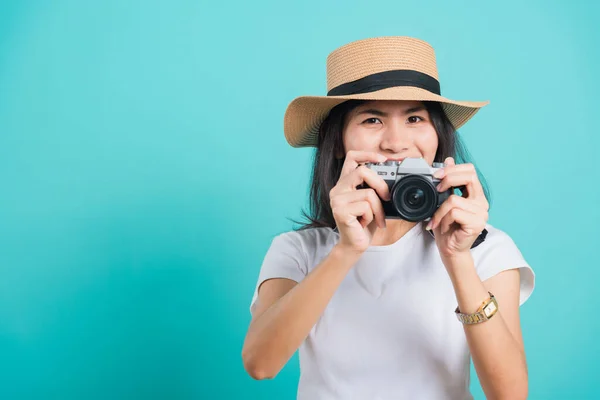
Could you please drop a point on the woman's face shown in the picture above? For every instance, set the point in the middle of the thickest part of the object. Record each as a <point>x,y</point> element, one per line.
<point>394,128</point>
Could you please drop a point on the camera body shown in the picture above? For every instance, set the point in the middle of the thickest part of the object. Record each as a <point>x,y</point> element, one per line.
<point>414,196</point>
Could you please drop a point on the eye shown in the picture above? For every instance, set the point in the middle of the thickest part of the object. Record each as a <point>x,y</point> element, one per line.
<point>415,116</point>
<point>371,119</point>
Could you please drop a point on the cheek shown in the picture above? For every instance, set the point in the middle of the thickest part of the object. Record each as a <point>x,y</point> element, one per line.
<point>428,143</point>
<point>354,140</point>
<point>432,139</point>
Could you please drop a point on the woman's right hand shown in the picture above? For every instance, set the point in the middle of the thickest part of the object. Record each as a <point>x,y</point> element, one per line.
<point>358,212</point>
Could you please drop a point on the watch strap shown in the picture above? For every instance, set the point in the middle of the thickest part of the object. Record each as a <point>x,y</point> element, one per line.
<point>486,311</point>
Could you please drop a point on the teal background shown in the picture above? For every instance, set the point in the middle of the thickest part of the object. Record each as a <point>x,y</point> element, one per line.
<point>144,173</point>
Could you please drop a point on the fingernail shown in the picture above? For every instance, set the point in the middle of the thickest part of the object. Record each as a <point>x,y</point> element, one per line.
<point>428,227</point>
<point>438,187</point>
<point>439,173</point>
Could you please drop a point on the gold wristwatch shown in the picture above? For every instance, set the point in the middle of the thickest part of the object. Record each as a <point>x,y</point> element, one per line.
<point>486,311</point>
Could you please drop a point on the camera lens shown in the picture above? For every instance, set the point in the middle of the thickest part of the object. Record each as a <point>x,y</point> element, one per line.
<point>414,198</point>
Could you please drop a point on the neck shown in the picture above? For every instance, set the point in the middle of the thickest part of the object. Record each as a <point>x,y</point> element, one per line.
<point>396,228</point>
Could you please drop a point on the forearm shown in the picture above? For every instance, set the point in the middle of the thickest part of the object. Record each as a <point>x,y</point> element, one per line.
<point>497,357</point>
<point>277,333</point>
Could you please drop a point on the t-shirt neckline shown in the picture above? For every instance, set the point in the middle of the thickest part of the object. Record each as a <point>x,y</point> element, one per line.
<point>412,232</point>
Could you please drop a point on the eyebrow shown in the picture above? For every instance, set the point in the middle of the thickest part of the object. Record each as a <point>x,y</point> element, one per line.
<point>380,113</point>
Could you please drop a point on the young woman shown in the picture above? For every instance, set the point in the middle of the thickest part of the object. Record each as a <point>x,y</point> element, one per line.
<point>387,308</point>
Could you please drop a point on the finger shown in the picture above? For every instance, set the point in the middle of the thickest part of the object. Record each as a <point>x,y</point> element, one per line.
<point>459,175</point>
<point>456,179</point>
<point>355,157</point>
<point>366,175</point>
<point>452,217</point>
<point>358,211</point>
<point>449,161</point>
<point>459,167</point>
<point>348,215</point>
<point>469,222</point>
<point>362,195</point>
<point>451,169</point>
<point>455,201</point>
<point>367,217</point>
<point>368,195</point>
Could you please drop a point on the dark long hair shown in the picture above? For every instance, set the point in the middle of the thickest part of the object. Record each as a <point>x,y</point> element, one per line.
<point>327,167</point>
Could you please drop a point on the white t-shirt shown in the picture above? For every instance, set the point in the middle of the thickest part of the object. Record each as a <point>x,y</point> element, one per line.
<point>390,331</point>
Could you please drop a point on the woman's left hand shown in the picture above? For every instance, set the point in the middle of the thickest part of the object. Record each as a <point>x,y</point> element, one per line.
<point>459,220</point>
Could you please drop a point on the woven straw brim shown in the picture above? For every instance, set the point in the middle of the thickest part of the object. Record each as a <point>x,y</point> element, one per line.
<point>305,114</point>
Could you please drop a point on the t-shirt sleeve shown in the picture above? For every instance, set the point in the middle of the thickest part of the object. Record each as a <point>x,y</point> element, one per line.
<point>500,253</point>
<point>284,259</point>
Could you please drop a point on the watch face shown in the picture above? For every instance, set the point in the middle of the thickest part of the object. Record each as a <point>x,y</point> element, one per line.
<point>489,309</point>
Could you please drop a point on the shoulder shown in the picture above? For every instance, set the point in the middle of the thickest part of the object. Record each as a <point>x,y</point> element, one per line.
<point>499,246</point>
<point>498,253</point>
<point>309,238</point>
<point>309,244</point>
<point>496,240</point>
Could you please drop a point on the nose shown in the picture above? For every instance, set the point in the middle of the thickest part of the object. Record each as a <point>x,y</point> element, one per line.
<point>396,139</point>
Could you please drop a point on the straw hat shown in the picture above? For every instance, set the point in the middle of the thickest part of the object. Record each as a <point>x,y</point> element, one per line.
<point>382,68</point>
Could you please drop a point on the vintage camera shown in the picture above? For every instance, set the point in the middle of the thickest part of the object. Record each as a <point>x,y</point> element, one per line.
<point>414,196</point>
